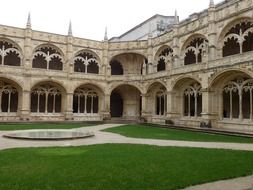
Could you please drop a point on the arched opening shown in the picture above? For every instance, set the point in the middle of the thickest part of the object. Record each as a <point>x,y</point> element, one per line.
<point>232,96</point>
<point>157,99</point>
<point>238,39</point>
<point>164,57</point>
<point>237,99</point>
<point>195,51</point>
<point>86,62</point>
<point>127,64</point>
<point>116,107</point>
<point>46,98</point>
<point>10,55</point>
<point>85,100</point>
<point>116,68</point>
<point>9,96</point>
<point>187,98</point>
<point>47,57</point>
<point>193,100</point>
<point>125,102</point>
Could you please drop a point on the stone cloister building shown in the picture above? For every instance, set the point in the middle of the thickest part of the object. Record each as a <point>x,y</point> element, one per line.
<point>200,70</point>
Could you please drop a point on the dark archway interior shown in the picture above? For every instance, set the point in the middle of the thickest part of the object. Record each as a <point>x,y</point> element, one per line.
<point>116,68</point>
<point>93,67</point>
<point>79,66</point>
<point>231,47</point>
<point>116,105</point>
<point>161,65</point>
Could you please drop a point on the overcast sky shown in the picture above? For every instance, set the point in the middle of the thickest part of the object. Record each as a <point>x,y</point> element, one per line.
<point>90,17</point>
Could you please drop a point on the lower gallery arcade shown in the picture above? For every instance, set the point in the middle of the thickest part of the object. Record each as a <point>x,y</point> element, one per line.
<point>230,101</point>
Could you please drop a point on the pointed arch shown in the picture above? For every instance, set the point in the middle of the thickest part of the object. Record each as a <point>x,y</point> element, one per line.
<point>86,61</point>
<point>195,49</point>
<point>86,99</point>
<point>237,37</point>
<point>48,56</point>
<point>10,93</point>
<point>10,53</point>
<point>128,63</point>
<point>47,97</point>
<point>157,98</point>
<point>163,57</point>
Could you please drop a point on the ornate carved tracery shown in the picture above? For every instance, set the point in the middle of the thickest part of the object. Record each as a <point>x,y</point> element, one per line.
<point>46,99</point>
<point>193,100</point>
<point>86,62</point>
<point>8,98</point>
<point>237,99</point>
<point>238,39</point>
<point>85,100</point>
<point>47,58</point>
<point>9,54</point>
<point>164,58</point>
<point>196,51</point>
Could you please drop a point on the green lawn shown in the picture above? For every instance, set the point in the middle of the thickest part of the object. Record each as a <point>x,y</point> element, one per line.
<point>118,167</point>
<point>22,126</point>
<point>142,131</point>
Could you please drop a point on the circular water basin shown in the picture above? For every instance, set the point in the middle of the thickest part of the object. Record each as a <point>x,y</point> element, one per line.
<point>49,134</point>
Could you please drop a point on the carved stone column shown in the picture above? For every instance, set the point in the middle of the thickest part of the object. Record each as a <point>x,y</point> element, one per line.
<point>206,104</point>
<point>106,113</point>
<point>69,106</point>
<point>25,105</point>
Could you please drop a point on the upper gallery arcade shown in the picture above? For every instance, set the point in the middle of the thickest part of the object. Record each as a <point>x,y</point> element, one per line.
<point>199,70</point>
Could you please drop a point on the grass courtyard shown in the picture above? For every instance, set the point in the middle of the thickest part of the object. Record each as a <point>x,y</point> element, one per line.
<point>118,167</point>
<point>121,166</point>
<point>147,132</point>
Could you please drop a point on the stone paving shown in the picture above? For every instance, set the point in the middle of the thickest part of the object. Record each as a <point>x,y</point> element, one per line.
<point>245,183</point>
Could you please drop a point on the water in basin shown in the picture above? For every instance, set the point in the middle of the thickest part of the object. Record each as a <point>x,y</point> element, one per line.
<point>49,134</point>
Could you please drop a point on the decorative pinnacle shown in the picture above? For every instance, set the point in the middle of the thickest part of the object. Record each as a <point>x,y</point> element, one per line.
<point>70,29</point>
<point>105,36</point>
<point>176,20</point>
<point>211,4</point>
<point>29,23</point>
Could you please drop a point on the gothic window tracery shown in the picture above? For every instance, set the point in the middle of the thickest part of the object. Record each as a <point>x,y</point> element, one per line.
<point>9,54</point>
<point>164,58</point>
<point>86,62</point>
<point>46,99</point>
<point>8,98</point>
<point>160,98</point>
<point>193,100</point>
<point>195,51</point>
<point>47,58</point>
<point>237,99</point>
<point>238,39</point>
<point>85,101</point>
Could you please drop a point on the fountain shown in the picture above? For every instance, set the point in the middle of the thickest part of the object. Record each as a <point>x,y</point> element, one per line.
<point>49,134</point>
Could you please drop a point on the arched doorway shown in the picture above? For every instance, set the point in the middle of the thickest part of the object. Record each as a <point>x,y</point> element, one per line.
<point>125,102</point>
<point>116,106</point>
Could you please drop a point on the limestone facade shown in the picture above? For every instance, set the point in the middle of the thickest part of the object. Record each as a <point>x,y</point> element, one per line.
<point>200,70</point>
